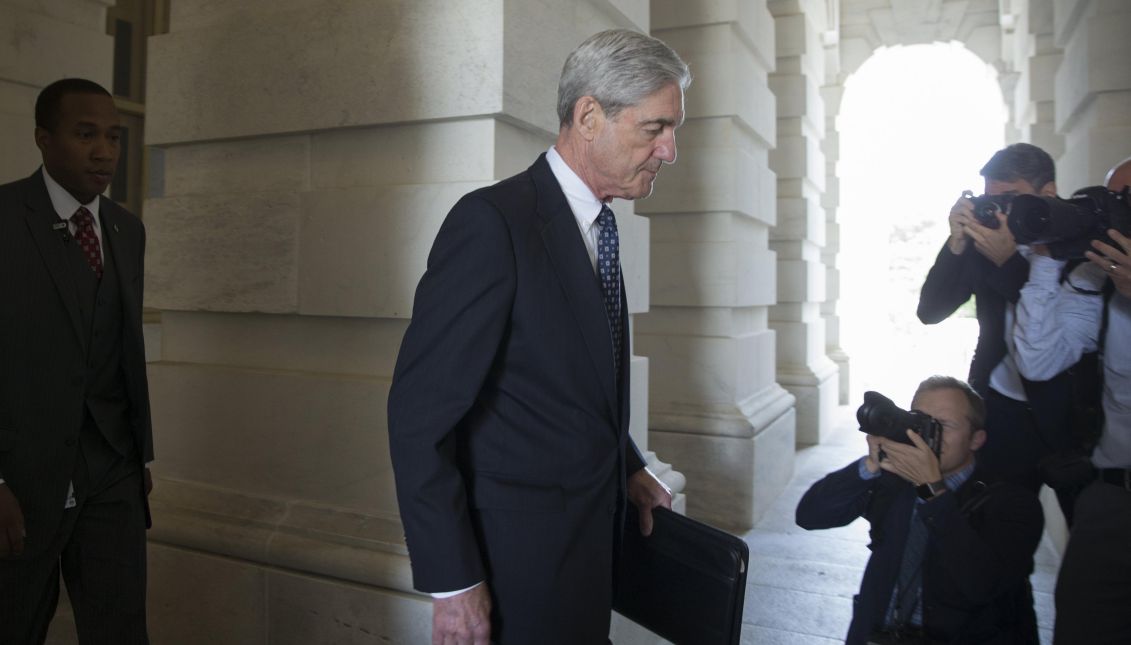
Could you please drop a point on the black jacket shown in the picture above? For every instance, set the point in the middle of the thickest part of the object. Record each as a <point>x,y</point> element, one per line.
<point>979,556</point>
<point>951,282</point>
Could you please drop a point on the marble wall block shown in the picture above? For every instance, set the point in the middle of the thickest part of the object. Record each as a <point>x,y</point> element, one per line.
<point>260,165</point>
<point>336,345</point>
<point>215,600</point>
<point>732,481</point>
<point>1098,138</point>
<point>37,48</point>
<point>223,252</point>
<point>723,64</point>
<point>277,434</point>
<point>360,64</point>
<point>636,257</point>
<point>1095,48</point>
<point>701,374</point>
<point>750,19</point>
<point>305,609</point>
<point>364,249</point>
<point>721,168</point>
<point>710,274</point>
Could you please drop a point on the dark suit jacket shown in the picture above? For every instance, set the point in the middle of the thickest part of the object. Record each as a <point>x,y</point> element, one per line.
<point>949,284</point>
<point>508,435</point>
<point>979,554</point>
<point>43,350</point>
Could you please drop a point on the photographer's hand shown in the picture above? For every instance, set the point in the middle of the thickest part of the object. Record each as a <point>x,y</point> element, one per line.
<point>996,244</point>
<point>872,463</point>
<point>1116,262</point>
<point>961,214</point>
<point>917,464</point>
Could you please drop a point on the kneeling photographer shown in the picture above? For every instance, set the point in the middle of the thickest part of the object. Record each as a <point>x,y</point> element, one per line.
<point>951,555</point>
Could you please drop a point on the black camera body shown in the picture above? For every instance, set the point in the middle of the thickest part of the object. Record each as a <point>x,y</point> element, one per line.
<point>986,207</point>
<point>1067,226</point>
<point>880,417</point>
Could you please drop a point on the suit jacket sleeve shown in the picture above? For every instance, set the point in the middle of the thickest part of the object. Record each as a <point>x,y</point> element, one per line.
<point>949,284</point>
<point>836,500</point>
<point>989,549</point>
<point>460,315</point>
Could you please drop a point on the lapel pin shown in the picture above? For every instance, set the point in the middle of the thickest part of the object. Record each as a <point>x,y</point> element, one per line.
<point>58,226</point>
<point>116,229</point>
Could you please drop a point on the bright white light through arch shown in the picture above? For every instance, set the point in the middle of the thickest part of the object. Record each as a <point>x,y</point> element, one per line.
<point>916,125</point>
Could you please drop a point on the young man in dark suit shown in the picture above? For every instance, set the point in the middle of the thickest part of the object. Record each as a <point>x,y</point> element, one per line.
<point>951,556</point>
<point>75,431</point>
<point>508,414</point>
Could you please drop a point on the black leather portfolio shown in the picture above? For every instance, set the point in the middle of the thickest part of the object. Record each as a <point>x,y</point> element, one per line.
<point>686,582</point>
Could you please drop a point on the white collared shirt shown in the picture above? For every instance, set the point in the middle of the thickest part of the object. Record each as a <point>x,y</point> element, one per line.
<point>584,204</point>
<point>66,205</point>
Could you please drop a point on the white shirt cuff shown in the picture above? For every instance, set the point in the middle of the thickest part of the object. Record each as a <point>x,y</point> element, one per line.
<point>448,594</point>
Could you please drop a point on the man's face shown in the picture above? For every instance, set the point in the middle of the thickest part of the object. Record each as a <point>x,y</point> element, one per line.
<point>959,441</point>
<point>628,150</point>
<point>81,153</point>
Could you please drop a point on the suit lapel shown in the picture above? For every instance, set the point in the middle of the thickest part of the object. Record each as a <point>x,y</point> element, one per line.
<point>115,237</point>
<point>40,217</point>
<point>571,264</point>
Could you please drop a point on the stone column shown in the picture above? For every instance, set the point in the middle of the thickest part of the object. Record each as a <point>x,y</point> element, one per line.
<point>1037,59</point>
<point>803,367</point>
<point>831,94</point>
<point>308,152</point>
<point>715,409</point>
<point>1093,88</point>
<point>42,42</point>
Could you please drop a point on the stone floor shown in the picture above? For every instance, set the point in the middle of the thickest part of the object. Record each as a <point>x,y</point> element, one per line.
<point>800,583</point>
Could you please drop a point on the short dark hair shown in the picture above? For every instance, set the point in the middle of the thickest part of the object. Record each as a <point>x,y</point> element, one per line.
<point>1021,161</point>
<point>48,104</point>
<point>976,407</point>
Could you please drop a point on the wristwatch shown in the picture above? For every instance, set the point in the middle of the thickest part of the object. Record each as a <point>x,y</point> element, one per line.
<point>930,489</point>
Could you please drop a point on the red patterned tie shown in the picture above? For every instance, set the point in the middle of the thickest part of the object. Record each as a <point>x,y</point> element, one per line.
<point>84,223</point>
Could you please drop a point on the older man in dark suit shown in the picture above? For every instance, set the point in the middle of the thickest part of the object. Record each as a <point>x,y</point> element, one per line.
<point>508,414</point>
<point>74,406</point>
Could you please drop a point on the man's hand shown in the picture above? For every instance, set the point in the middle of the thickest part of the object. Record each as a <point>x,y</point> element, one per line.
<point>463,619</point>
<point>12,531</point>
<point>648,492</point>
<point>1116,262</point>
<point>961,214</point>
<point>148,482</point>
<point>917,464</point>
<point>996,244</point>
<point>872,463</point>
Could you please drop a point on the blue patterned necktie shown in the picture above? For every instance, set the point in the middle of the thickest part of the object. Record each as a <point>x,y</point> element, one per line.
<point>909,585</point>
<point>608,270</point>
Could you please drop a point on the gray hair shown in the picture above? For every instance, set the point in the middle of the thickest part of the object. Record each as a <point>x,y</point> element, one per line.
<point>619,68</point>
<point>976,406</point>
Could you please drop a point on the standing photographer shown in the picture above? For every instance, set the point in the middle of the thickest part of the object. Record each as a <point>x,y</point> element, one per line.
<point>1055,325</point>
<point>980,258</point>
<point>951,556</point>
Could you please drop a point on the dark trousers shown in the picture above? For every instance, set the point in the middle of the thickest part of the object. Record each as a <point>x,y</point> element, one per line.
<point>100,550</point>
<point>1015,449</point>
<point>1093,590</point>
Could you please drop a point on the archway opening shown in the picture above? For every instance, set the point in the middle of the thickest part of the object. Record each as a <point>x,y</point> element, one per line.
<point>916,125</point>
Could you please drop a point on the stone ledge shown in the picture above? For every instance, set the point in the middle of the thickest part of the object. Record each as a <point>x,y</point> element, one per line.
<point>347,545</point>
